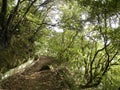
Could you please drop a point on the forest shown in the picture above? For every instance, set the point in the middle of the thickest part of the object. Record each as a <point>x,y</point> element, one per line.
<point>77,41</point>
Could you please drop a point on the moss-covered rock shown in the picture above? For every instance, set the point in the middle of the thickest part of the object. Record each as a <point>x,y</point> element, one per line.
<point>43,80</point>
<point>33,78</point>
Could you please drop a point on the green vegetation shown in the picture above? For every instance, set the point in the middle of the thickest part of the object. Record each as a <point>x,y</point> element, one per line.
<point>87,46</point>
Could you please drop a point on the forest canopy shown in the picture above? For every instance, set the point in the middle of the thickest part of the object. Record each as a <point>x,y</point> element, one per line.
<point>83,36</point>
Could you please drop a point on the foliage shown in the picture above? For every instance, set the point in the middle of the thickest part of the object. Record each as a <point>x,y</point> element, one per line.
<point>111,80</point>
<point>21,24</point>
<point>90,53</point>
<point>88,48</point>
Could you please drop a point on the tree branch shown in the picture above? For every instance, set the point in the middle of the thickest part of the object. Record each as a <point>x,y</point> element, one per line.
<point>3,13</point>
<point>13,13</point>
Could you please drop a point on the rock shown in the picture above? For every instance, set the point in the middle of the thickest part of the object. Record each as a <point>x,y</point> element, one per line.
<point>36,77</point>
<point>43,80</point>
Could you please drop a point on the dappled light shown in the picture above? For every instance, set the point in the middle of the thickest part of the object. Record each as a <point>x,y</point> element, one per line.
<point>59,44</point>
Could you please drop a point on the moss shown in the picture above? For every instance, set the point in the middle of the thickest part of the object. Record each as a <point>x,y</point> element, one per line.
<point>43,80</point>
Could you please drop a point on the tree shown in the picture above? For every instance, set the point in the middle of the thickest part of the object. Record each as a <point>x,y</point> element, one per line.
<point>88,47</point>
<point>21,24</point>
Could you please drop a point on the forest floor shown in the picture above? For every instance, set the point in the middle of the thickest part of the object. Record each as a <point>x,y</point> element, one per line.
<point>43,80</point>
